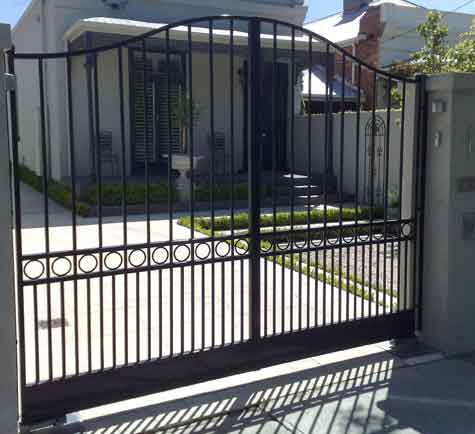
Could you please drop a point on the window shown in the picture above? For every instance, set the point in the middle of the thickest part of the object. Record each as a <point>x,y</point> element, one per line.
<point>154,106</point>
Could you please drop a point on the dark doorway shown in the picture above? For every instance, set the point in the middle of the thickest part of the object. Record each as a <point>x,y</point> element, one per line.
<point>275,97</point>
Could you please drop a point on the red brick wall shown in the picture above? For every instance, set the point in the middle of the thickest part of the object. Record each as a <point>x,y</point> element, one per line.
<point>367,50</point>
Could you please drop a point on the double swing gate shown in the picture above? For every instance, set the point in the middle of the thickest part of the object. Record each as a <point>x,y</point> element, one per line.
<point>284,248</point>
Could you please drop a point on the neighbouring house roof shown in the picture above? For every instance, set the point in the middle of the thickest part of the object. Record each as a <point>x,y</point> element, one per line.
<point>319,86</point>
<point>344,28</point>
<point>338,28</point>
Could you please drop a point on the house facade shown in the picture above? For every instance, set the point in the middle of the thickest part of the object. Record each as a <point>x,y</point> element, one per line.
<point>61,25</point>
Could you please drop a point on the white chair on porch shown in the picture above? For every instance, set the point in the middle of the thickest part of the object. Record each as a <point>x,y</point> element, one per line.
<point>219,146</point>
<point>108,156</point>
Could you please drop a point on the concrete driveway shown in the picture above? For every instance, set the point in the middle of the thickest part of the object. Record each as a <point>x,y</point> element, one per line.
<point>159,315</point>
<point>376,389</point>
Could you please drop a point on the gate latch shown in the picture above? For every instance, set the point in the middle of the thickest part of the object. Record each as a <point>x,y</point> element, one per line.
<point>9,82</point>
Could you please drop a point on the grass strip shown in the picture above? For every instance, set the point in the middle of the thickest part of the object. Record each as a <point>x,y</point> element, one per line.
<point>241,220</point>
<point>352,287</point>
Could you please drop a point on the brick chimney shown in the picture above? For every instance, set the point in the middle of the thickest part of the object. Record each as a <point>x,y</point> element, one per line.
<point>350,6</point>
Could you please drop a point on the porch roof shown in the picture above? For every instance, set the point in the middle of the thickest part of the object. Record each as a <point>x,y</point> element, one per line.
<point>319,85</point>
<point>132,28</point>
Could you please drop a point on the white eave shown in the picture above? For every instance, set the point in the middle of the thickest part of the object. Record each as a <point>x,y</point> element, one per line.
<point>131,28</point>
<point>117,26</point>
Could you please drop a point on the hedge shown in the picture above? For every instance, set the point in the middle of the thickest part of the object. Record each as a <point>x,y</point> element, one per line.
<point>57,192</point>
<point>136,194</point>
<point>221,192</point>
<point>241,221</point>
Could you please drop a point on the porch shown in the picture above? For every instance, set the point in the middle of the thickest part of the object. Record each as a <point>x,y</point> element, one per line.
<point>179,93</point>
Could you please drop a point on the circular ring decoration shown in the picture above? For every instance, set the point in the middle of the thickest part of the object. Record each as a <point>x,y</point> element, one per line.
<point>333,237</point>
<point>203,251</point>
<point>300,244</point>
<point>363,236</point>
<point>317,242</point>
<point>39,273</point>
<point>406,230</point>
<point>267,247</point>
<point>242,246</point>
<point>93,264</point>
<point>110,257</point>
<point>349,238</point>
<point>57,262</point>
<point>283,245</point>
<point>379,235</point>
<point>137,253</point>
<point>393,230</point>
<point>182,253</point>
<point>162,257</point>
<point>225,251</point>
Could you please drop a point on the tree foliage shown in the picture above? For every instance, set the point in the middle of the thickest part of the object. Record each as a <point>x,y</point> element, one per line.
<point>461,57</point>
<point>432,57</point>
<point>437,56</point>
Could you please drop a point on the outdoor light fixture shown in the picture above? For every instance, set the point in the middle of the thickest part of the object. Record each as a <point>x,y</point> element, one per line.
<point>116,4</point>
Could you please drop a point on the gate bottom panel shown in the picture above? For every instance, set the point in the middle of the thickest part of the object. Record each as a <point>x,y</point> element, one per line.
<point>55,399</point>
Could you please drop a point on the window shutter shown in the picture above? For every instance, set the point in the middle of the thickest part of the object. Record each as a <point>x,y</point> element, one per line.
<point>143,106</point>
<point>164,119</point>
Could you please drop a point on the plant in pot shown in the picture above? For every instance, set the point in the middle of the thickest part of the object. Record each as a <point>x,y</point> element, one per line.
<point>393,204</point>
<point>184,111</point>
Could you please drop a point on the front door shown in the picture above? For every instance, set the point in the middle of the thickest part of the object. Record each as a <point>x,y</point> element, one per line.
<point>274,137</point>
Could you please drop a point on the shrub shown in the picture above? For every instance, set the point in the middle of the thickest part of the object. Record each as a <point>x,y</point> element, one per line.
<point>202,193</point>
<point>135,194</point>
<point>57,192</point>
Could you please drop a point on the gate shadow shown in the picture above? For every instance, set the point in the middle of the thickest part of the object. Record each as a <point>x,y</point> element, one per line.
<point>304,400</point>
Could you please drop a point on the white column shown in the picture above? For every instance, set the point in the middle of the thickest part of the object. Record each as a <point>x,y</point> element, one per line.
<point>449,236</point>
<point>8,367</point>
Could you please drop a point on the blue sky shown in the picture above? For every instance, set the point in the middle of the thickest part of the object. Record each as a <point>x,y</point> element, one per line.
<point>12,9</point>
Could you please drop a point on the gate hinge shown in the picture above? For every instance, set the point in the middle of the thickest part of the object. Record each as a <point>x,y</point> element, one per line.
<point>9,82</point>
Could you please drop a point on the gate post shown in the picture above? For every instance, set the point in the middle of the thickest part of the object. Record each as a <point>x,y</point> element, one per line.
<point>254,187</point>
<point>8,360</point>
<point>448,297</point>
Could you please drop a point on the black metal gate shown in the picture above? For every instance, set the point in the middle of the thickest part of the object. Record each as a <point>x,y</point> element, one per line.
<point>207,258</point>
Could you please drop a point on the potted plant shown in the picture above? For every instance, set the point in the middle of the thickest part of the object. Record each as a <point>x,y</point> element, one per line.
<point>393,204</point>
<point>183,111</point>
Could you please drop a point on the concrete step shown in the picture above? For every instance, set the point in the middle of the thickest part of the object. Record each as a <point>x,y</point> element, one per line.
<point>313,198</point>
<point>296,179</point>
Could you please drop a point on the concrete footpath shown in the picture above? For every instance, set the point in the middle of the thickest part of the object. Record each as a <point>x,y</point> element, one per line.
<point>381,388</point>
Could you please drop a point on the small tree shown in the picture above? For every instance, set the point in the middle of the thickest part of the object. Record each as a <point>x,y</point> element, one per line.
<point>433,56</point>
<point>184,111</point>
<point>461,58</point>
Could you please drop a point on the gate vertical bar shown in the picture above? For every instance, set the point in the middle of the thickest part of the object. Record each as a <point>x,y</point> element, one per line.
<point>8,331</point>
<point>254,188</point>
<point>419,194</point>
<point>14,137</point>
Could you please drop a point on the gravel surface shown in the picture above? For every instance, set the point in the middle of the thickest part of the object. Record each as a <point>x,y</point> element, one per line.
<point>369,263</point>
